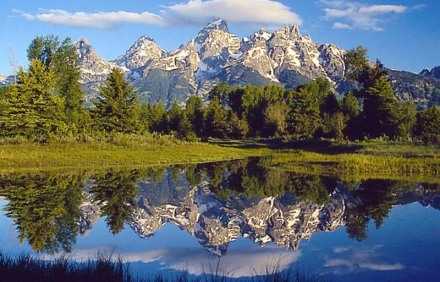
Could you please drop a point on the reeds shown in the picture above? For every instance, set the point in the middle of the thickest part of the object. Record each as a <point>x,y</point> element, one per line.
<point>107,269</point>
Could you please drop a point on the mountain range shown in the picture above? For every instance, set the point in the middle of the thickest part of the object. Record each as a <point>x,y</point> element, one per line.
<point>284,56</point>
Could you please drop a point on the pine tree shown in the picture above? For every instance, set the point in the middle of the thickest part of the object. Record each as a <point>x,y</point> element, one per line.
<point>380,114</point>
<point>65,65</point>
<point>117,108</point>
<point>32,109</point>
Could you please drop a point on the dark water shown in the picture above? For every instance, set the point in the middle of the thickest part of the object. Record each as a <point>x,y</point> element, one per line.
<point>241,217</point>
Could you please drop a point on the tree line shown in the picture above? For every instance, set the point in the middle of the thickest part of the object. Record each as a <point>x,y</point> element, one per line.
<point>47,101</point>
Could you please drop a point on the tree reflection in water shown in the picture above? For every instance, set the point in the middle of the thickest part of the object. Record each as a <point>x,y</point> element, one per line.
<point>46,209</point>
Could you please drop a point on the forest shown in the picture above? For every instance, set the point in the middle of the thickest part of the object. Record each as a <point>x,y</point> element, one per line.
<point>47,103</point>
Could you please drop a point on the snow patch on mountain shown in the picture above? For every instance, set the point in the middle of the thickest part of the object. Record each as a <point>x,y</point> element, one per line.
<point>215,55</point>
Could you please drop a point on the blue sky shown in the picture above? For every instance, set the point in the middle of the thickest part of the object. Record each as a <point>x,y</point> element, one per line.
<point>404,34</point>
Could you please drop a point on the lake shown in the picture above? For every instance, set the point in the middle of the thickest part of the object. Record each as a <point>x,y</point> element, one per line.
<point>238,218</point>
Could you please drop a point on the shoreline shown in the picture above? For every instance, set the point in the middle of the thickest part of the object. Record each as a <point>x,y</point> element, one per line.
<point>368,160</point>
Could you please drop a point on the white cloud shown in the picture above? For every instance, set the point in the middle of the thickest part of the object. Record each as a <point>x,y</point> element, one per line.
<point>242,11</point>
<point>94,20</point>
<point>338,25</point>
<point>355,15</point>
<point>269,12</point>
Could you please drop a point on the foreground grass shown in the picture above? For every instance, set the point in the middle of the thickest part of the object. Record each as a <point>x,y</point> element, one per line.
<point>32,157</point>
<point>104,269</point>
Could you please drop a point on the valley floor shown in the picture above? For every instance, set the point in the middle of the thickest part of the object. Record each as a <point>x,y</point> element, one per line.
<point>352,161</point>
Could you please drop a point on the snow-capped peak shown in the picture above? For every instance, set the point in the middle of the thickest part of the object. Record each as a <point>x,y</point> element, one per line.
<point>142,52</point>
<point>218,24</point>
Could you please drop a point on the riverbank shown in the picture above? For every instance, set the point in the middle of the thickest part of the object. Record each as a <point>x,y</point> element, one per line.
<point>34,158</point>
<point>353,160</point>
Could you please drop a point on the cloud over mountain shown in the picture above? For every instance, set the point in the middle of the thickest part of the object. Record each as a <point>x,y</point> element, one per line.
<point>243,11</point>
<point>267,12</point>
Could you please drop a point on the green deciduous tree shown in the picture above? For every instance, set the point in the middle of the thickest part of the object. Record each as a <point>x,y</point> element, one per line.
<point>350,106</point>
<point>237,128</point>
<point>427,126</point>
<point>195,112</point>
<point>157,118</point>
<point>215,120</point>
<point>276,119</point>
<point>304,114</point>
<point>179,123</point>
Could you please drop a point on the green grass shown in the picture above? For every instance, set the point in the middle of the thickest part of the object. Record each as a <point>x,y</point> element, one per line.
<point>364,160</point>
<point>32,157</point>
<point>362,165</point>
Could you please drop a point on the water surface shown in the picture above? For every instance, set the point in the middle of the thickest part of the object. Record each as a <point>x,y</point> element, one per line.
<point>242,217</point>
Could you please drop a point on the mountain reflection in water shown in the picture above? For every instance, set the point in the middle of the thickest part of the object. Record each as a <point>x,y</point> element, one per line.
<point>214,203</point>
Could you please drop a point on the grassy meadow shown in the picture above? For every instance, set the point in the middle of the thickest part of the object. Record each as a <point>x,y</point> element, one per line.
<point>357,161</point>
<point>121,153</point>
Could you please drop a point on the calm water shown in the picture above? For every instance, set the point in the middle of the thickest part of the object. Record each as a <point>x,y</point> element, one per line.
<point>241,216</point>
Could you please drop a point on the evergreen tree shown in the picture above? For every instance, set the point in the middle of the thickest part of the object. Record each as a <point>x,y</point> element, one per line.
<point>356,64</point>
<point>351,109</point>
<point>43,49</point>
<point>329,105</point>
<point>380,111</point>
<point>65,65</point>
<point>31,108</point>
<point>117,108</point>
<point>116,192</point>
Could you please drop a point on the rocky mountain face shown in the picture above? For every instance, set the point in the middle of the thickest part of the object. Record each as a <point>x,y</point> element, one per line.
<point>215,55</point>
<point>422,88</point>
<point>434,73</point>
<point>94,69</point>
